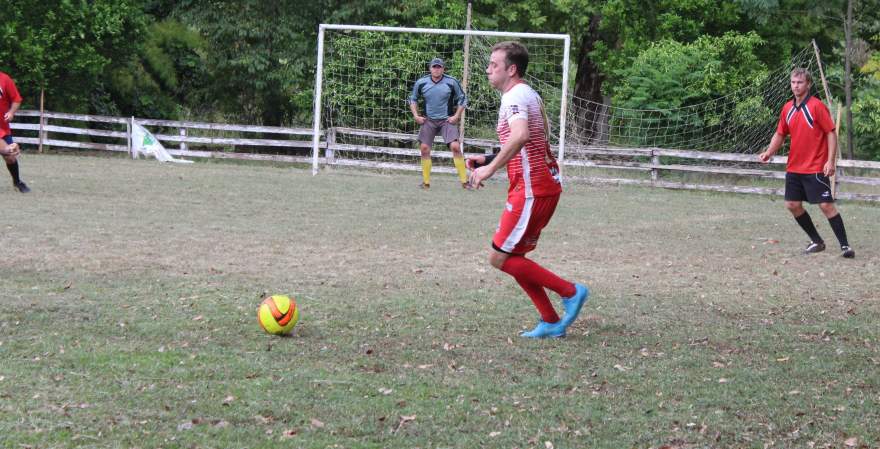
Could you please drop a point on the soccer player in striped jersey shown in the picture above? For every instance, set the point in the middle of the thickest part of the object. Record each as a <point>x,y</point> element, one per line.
<point>811,161</point>
<point>533,193</point>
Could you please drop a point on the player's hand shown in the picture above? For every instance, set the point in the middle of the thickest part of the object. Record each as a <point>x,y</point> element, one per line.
<point>420,120</point>
<point>829,169</point>
<point>481,174</point>
<point>765,157</point>
<point>473,162</point>
<point>8,116</point>
<point>453,120</point>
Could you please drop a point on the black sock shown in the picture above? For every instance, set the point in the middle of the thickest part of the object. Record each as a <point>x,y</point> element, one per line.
<point>13,170</point>
<point>837,225</point>
<point>807,225</point>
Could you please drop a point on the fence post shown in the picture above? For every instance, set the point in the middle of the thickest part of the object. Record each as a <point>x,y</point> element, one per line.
<point>182,132</point>
<point>129,126</point>
<point>655,161</point>
<point>42,133</point>
<point>329,154</point>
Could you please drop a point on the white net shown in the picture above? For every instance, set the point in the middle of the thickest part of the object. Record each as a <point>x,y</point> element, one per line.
<point>728,130</point>
<point>369,75</point>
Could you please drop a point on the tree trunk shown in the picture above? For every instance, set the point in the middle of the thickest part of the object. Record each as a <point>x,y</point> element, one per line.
<point>588,106</point>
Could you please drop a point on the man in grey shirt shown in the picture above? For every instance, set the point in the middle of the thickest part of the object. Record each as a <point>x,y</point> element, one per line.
<point>442,94</point>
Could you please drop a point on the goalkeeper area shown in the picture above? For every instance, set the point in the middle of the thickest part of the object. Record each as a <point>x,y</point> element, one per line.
<point>129,290</point>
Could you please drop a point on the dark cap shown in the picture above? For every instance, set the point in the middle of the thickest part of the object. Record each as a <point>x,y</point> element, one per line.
<point>437,61</point>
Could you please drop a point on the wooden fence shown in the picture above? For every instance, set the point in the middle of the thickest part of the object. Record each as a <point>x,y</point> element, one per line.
<point>293,145</point>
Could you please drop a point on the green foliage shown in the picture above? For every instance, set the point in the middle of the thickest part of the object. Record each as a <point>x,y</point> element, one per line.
<point>630,26</point>
<point>673,78</point>
<point>65,46</point>
<point>166,76</point>
<point>254,61</point>
<point>866,123</point>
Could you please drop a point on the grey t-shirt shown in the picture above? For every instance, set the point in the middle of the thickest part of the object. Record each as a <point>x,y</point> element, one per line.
<point>439,97</point>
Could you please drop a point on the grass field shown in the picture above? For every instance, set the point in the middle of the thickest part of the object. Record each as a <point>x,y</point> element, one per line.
<point>128,292</point>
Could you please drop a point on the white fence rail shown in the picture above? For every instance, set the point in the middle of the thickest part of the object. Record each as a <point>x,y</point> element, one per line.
<point>294,145</point>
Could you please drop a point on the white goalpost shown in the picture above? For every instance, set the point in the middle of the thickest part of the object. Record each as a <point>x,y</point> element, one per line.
<point>365,75</point>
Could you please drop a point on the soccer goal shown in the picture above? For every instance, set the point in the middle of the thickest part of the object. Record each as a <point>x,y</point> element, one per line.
<point>365,75</point>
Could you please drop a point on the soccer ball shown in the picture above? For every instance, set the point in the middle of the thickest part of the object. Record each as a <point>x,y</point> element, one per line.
<point>277,314</point>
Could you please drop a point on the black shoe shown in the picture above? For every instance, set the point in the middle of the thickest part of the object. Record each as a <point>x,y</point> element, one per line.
<point>22,187</point>
<point>848,252</point>
<point>814,247</point>
<point>425,186</point>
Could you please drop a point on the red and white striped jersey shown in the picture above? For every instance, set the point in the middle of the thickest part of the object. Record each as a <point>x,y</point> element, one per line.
<point>534,169</point>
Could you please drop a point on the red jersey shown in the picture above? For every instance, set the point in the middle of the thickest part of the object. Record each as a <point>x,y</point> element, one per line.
<point>8,95</point>
<point>808,123</point>
<point>534,169</point>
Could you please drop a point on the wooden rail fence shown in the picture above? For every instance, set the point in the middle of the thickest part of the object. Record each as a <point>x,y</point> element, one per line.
<point>293,145</point>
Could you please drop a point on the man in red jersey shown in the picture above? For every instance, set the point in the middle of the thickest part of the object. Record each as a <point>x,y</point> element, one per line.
<point>10,100</point>
<point>811,161</point>
<point>533,193</point>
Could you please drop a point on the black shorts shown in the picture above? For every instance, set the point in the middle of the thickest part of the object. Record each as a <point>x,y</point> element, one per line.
<point>813,187</point>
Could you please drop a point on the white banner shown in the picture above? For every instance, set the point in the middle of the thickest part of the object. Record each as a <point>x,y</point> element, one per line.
<point>142,142</point>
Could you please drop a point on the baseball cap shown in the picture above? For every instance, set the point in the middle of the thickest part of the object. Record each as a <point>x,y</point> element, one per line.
<point>437,61</point>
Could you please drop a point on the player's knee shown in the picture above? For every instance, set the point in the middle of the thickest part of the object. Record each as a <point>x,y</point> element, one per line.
<point>793,206</point>
<point>828,209</point>
<point>497,259</point>
<point>425,149</point>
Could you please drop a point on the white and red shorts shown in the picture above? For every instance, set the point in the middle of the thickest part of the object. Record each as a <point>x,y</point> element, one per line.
<point>522,221</point>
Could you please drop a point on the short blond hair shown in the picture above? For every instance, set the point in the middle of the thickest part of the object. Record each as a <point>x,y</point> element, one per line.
<point>802,72</point>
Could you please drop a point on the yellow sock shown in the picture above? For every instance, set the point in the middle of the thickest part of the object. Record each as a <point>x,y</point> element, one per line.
<point>459,166</point>
<point>426,171</point>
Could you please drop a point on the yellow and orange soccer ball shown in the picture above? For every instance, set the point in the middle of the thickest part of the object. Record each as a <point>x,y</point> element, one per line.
<point>278,314</point>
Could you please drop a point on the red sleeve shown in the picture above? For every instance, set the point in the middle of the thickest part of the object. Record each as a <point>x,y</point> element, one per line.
<point>823,117</point>
<point>782,126</point>
<point>12,91</point>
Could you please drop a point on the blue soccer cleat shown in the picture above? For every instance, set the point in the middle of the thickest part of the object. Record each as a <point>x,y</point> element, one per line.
<point>546,330</point>
<point>573,305</point>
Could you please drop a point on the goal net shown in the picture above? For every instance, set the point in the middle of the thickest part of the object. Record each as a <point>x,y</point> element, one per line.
<point>718,136</point>
<point>366,75</point>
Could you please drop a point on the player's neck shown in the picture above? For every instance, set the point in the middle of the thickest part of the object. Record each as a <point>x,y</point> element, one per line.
<point>510,84</point>
<point>436,78</point>
<point>800,99</point>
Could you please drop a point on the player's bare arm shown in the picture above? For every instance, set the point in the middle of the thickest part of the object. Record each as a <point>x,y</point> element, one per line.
<point>775,144</point>
<point>414,108</point>
<point>10,114</point>
<point>831,165</point>
<point>519,135</point>
<point>457,116</point>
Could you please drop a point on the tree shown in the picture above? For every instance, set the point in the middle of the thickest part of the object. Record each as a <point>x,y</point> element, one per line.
<point>166,77</point>
<point>65,47</point>
<point>671,77</point>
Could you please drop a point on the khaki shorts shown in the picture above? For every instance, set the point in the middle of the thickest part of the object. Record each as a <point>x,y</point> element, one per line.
<point>431,128</point>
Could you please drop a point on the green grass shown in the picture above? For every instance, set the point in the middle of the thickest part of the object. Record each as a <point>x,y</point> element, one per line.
<point>129,288</point>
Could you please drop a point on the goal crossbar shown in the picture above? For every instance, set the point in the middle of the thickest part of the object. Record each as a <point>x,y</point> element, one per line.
<point>319,72</point>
